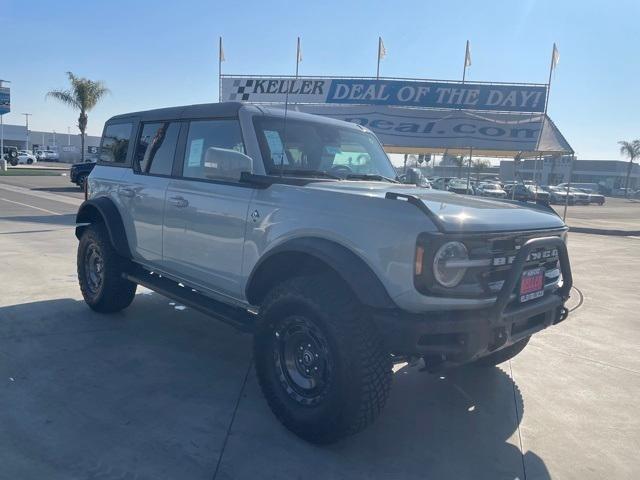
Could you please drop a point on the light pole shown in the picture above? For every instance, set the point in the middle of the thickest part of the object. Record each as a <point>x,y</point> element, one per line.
<point>54,139</point>
<point>2,126</point>
<point>26,119</point>
<point>68,136</point>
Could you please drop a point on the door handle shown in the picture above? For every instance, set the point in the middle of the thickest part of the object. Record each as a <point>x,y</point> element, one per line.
<point>179,202</point>
<point>127,192</point>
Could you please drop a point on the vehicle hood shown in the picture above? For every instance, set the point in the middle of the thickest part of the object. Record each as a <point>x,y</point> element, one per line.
<point>457,213</point>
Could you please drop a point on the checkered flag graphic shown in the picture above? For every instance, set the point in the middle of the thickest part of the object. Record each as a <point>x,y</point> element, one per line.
<point>240,87</point>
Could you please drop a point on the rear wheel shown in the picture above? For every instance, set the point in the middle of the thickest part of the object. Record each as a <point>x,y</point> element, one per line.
<point>81,181</point>
<point>100,270</point>
<point>320,362</point>
<point>503,355</point>
<point>29,161</point>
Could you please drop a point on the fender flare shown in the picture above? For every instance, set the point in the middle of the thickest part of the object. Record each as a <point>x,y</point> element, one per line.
<point>102,209</point>
<point>350,267</point>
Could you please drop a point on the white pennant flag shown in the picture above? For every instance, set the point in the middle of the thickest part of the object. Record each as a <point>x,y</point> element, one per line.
<point>221,52</point>
<point>467,56</point>
<point>555,56</point>
<point>382,52</point>
<point>299,51</point>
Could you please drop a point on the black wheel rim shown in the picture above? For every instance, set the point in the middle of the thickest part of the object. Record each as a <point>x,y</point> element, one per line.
<point>303,360</point>
<point>93,268</point>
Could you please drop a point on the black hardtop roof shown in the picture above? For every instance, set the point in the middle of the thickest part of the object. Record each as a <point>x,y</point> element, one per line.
<point>203,110</point>
<point>224,110</point>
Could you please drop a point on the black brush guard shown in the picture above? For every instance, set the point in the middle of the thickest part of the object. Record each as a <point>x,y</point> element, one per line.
<point>460,336</point>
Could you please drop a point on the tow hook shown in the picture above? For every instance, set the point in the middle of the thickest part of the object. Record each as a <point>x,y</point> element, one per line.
<point>563,313</point>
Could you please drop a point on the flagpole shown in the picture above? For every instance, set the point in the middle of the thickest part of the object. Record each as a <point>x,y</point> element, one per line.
<point>297,57</point>
<point>219,69</point>
<point>378,69</point>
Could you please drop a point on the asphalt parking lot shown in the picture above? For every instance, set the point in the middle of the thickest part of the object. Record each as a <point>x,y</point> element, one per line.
<point>162,392</point>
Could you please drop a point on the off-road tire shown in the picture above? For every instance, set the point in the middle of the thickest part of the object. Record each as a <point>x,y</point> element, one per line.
<point>114,292</point>
<point>80,181</point>
<point>503,355</point>
<point>13,162</point>
<point>360,378</point>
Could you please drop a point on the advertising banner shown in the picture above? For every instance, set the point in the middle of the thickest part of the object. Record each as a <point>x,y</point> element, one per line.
<point>406,93</point>
<point>5,100</point>
<point>441,129</point>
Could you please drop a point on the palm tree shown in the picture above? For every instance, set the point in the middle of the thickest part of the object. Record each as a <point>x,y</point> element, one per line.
<point>630,150</point>
<point>83,95</point>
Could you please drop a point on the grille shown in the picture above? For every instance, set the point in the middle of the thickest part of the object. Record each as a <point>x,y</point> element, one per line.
<point>503,251</point>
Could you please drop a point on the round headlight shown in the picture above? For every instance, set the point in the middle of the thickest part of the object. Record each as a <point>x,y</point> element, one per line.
<point>444,269</point>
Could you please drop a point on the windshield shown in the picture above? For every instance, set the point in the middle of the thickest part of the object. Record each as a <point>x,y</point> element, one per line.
<point>319,147</point>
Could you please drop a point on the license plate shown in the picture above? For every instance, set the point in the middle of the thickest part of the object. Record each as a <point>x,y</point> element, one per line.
<point>532,284</point>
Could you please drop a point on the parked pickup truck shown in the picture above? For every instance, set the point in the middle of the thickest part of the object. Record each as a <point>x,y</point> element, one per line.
<point>78,172</point>
<point>263,219</point>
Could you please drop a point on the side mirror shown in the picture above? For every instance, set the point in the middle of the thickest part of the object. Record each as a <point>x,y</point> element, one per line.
<point>227,164</point>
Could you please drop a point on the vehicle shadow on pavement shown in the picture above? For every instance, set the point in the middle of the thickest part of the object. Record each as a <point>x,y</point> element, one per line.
<point>64,219</point>
<point>152,393</point>
<point>458,424</point>
<point>70,189</point>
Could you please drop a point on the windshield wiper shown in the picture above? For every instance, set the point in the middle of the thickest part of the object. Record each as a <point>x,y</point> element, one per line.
<point>302,172</point>
<point>370,176</point>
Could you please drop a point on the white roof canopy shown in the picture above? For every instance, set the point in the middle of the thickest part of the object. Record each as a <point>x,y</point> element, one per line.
<point>419,130</point>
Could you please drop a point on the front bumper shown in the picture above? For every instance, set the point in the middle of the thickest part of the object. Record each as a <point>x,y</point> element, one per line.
<point>461,336</point>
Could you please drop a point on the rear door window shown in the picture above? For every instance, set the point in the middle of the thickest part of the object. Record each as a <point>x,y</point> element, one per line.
<point>115,143</point>
<point>156,148</point>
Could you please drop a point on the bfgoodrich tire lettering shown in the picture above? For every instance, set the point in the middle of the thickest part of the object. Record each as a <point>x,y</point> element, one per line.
<point>354,369</point>
<point>100,271</point>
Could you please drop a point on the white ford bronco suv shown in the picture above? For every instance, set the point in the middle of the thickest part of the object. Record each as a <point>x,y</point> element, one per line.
<point>293,227</point>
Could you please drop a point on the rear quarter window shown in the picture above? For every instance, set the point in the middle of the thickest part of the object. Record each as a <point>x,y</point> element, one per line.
<point>115,143</point>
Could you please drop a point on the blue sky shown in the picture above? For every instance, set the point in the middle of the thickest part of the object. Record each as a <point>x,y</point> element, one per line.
<point>159,53</point>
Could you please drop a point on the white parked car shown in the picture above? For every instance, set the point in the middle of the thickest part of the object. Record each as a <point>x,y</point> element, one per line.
<point>24,156</point>
<point>48,155</point>
<point>491,190</point>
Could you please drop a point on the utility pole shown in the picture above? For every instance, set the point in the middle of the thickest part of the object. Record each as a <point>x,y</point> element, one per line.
<point>26,119</point>
<point>2,126</point>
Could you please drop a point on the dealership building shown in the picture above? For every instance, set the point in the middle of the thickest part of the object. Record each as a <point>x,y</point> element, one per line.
<point>552,170</point>
<point>67,145</point>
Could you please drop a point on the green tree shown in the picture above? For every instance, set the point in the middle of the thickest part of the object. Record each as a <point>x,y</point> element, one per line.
<point>631,150</point>
<point>479,166</point>
<point>459,162</point>
<point>83,95</point>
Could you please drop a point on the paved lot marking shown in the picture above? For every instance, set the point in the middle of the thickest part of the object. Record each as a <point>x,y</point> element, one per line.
<point>44,195</point>
<point>31,206</point>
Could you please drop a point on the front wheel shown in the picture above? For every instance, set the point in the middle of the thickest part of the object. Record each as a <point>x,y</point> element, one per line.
<point>320,362</point>
<point>503,355</point>
<point>100,270</point>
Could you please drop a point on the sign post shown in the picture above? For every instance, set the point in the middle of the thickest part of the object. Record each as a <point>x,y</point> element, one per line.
<point>5,107</point>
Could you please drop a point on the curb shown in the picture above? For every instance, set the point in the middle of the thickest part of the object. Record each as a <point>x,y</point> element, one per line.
<point>600,231</point>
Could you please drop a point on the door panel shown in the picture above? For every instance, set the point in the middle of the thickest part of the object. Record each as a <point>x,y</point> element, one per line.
<point>204,229</point>
<point>206,207</point>
<point>142,201</point>
<point>142,193</point>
